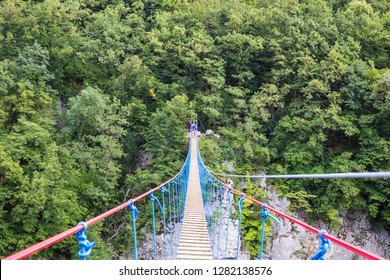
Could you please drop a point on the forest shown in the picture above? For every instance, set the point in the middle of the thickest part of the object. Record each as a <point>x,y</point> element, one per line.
<point>96,97</point>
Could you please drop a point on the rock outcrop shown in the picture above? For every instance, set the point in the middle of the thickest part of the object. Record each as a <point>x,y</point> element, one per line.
<point>289,241</point>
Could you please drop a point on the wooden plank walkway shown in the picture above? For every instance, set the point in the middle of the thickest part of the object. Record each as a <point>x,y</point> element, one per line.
<point>194,241</point>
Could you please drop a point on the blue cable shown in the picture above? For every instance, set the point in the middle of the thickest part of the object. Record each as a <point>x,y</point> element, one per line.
<point>134,214</point>
<point>181,201</point>
<point>178,192</point>
<point>153,199</point>
<point>215,220</point>
<point>229,195</point>
<point>170,218</point>
<point>239,224</point>
<point>323,247</point>
<point>220,218</point>
<point>85,244</point>
<point>173,201</point>
<point>163,190</point>
<point>209,191</point>
<point>182,198</point>
<point>175,210</point>
<point>178,212</point>
<point>177,201</point>
<point>264,216</point>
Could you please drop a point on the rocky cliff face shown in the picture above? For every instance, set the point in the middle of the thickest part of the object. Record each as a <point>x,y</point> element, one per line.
<point>290,241</point>
<point>163,252</point>
<point>226,231</point>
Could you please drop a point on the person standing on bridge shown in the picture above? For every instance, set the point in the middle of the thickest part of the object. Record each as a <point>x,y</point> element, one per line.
<point>193,127</point>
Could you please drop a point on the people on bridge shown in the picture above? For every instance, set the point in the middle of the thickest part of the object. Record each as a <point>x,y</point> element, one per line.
<point>193,127</point>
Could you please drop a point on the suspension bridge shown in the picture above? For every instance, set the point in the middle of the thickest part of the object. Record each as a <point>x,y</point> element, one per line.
<point>188,208</point>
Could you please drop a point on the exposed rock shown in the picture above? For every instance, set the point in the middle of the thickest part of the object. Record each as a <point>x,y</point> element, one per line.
<point>227,227</point>
<point>209,132</point>
<point>146,247</point>
<point>290,241</point>
<point>228,166</point>
<point>144,159</point>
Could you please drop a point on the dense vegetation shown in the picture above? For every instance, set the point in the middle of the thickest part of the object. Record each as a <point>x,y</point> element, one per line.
<point>90,88</point>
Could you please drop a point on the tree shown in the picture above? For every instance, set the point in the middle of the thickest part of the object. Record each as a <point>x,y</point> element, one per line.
<point>93,131</point>
<point>361,22</point>
<point>40,187</point>
<point>25,92</point>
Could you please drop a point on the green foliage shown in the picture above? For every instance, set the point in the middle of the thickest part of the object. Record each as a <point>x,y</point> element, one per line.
<point>210,150</point>
<point>41,186</point>
<point>93,128</point>
<point>167,129</point>
<point>25,91</point>
<point>166,143</point>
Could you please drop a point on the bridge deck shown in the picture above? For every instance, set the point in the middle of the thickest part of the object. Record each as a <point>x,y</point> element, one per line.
<point>194,241</point>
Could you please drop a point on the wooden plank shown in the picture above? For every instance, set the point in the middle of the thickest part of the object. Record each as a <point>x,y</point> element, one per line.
<point>195,233</point>
<point>194,241</point>
<point>194,245</point>
<point>195,249</point>
<point>191,257</point>
<point>194,253</point>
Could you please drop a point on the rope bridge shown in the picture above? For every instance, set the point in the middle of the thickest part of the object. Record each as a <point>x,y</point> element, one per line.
<point>190,211</point>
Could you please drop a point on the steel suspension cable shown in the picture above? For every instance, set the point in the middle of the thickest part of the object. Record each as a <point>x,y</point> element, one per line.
<point>348,175</point>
